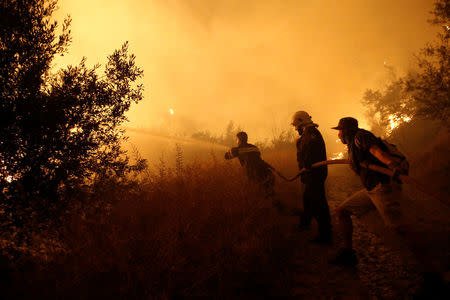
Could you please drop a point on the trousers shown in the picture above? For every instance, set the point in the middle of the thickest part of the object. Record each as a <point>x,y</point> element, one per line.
<point>402,225</point>
<point>315,206</point>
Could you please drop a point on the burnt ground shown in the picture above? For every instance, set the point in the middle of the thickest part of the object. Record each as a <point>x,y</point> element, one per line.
<point>384,270</point>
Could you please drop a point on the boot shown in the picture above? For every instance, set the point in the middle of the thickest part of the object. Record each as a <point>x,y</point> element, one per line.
<point>325,236</point>
<point>345,257</point>
<point>323,240</point>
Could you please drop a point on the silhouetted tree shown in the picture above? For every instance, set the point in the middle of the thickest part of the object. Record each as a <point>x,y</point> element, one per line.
<point>430,86</point>
<point>60,130</point>
<point>229,139</point>
<point>284,139</point>
<point>425,92</point>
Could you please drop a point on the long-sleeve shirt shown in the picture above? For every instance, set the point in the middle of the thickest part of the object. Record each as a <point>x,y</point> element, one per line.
<point>311,149</point>
<point>359,151</point>
<point>250,158</point>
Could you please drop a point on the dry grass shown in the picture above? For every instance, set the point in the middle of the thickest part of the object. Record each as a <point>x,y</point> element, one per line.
<point>198,229</point>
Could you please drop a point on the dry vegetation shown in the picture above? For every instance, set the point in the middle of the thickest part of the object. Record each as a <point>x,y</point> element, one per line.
<point>197,229</point>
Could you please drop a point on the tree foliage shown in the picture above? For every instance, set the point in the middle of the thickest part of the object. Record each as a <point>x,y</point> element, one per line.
<point>392,101</point>
<point>57,130</point>
<point>430,85</point>
<point>425,91</point>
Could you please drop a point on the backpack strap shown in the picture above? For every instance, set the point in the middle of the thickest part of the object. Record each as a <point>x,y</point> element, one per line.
<point>355,141</point>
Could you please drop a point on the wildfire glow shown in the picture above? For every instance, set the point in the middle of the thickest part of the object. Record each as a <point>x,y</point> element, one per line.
<point>395,121</point>
<point>171,111</point>
<point>338,155</point>
<point>9,179</point>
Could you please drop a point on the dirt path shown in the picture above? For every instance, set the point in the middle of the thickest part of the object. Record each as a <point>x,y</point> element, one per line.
<point>313,276</point>
<point>382,272</point>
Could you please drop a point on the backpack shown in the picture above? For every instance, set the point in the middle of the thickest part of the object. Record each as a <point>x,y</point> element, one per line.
<point>393,151</point>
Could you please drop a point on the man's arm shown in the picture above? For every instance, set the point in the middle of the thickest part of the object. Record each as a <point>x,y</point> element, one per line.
<point>381,155</point>
<point>313,151</point>
<point>299,155</point>
<point>392,162</point>
<point>367,141</point>
<point>234,152</point>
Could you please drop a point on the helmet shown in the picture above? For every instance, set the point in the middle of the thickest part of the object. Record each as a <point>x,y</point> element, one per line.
<point>347,123</point>
<point>301,118</point>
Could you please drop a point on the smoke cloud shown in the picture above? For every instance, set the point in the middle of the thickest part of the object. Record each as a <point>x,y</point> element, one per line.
<point>255,62</point>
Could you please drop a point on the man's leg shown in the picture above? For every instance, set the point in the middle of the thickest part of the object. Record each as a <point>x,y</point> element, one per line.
<point>399,231</point>
<point>268,186</point>
<point>346,227</point>
<point>358,204</point>
<point>322,213</point>
<point>306,214</point>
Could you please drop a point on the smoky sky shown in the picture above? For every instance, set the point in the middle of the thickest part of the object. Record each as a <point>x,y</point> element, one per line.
<point>255,62</point>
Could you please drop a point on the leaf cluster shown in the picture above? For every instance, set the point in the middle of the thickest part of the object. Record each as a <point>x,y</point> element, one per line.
<point>425,91</point>
<point>57,130</point>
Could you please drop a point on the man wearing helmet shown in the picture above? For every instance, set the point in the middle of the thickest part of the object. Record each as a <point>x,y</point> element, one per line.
<point>250,158</point>
<point>311,149</point>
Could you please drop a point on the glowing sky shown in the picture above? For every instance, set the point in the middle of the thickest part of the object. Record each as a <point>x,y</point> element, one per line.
<point>254,62</point>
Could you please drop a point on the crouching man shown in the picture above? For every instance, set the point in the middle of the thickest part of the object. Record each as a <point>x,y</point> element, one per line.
<point>381,193</point>
<point>257,170</point>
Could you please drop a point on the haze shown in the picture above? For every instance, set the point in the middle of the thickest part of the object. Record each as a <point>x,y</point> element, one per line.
<point>254,62</point>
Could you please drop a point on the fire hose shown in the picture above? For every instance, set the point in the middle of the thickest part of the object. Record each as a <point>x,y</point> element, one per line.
<point>404,178</point>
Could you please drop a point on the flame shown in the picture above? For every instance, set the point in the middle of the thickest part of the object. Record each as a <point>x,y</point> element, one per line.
<point>396,120</point>
<point>9,179</point>
<point>171,111</point>
<point>337,155</point>
<point>76,129</point>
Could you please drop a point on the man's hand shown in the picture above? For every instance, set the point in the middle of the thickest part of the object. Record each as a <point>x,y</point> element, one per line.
<point>365,164</point>
<point>397,169</point>
<point>308,167</point>
<point>228,155</point>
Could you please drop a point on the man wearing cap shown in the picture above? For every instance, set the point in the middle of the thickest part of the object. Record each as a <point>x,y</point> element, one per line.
<point>257,169</point>
<point>311,149</point>
<point>380,191</point>
<point>383,193</point>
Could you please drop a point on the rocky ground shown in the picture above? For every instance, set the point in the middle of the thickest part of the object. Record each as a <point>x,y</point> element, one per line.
<point>383,272</point>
